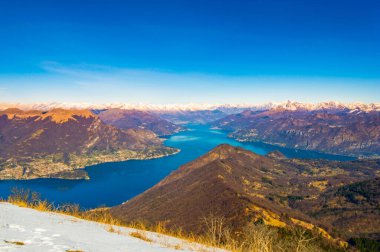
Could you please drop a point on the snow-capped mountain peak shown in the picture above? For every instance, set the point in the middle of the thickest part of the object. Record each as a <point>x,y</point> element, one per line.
<point>227,108</point>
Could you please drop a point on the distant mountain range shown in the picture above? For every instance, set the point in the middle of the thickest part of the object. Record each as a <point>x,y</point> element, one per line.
<point>126,119</point>
<point>338,199</point>
<point>225,108</point>
<point>189,113</point>
<point>341,131</point>
<point>191,116</point>
<point>58,142</point>
<point>67,139</point>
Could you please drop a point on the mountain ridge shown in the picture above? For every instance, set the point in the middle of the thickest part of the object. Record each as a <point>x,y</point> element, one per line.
<point>228,108</point>
<point>132,118</point>
<point>244,187</point>
<point>342,132</point>
<point>58,142</point>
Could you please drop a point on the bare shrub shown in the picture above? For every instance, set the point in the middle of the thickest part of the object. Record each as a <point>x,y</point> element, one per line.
<point>141,236</point>
<point>214,228</point>
<point>258,238</point>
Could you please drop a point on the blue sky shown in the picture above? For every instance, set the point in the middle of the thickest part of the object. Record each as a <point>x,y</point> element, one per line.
<point>189,51</point>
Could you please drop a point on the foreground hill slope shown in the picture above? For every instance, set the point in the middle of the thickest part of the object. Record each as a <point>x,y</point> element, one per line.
<point>56,143</point>
<point>136,119</point>
<point>24,229</point>
<point>243,187</point>
<point>338,131</point>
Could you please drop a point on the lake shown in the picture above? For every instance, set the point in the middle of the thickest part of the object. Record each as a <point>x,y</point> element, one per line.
<point>113,183</point>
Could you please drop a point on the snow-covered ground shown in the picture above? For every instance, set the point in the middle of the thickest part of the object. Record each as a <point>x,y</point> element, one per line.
<point>43,231</point>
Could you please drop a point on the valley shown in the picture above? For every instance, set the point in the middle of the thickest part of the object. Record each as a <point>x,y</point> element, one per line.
<point>115,182</point>
<point>240,126</point>
<point>149,169</point>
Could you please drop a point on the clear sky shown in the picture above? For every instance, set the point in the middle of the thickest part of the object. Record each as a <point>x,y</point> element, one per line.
<point>182,51</point>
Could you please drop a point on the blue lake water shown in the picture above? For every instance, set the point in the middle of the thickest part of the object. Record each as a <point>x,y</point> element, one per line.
<point>113,183</point>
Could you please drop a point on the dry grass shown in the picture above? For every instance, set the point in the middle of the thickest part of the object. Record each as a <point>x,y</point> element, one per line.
<point>113,229</point>
<point>140,235</point>
<point>15,242</point>
<point>26,198</point>
<point>254,237</point>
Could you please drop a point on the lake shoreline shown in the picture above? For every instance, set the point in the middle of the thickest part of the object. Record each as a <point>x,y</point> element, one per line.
<point>112,183</point>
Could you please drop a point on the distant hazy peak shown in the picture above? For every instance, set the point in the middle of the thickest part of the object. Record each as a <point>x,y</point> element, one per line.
<point>330,105</point>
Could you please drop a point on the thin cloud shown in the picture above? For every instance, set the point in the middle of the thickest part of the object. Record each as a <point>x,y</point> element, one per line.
<point>101,84</point>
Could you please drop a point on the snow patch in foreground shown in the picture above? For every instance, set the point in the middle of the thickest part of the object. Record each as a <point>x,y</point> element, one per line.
<point>44,231</point>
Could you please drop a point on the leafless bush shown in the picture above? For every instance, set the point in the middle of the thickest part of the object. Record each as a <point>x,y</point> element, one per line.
<point>214,228</point>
